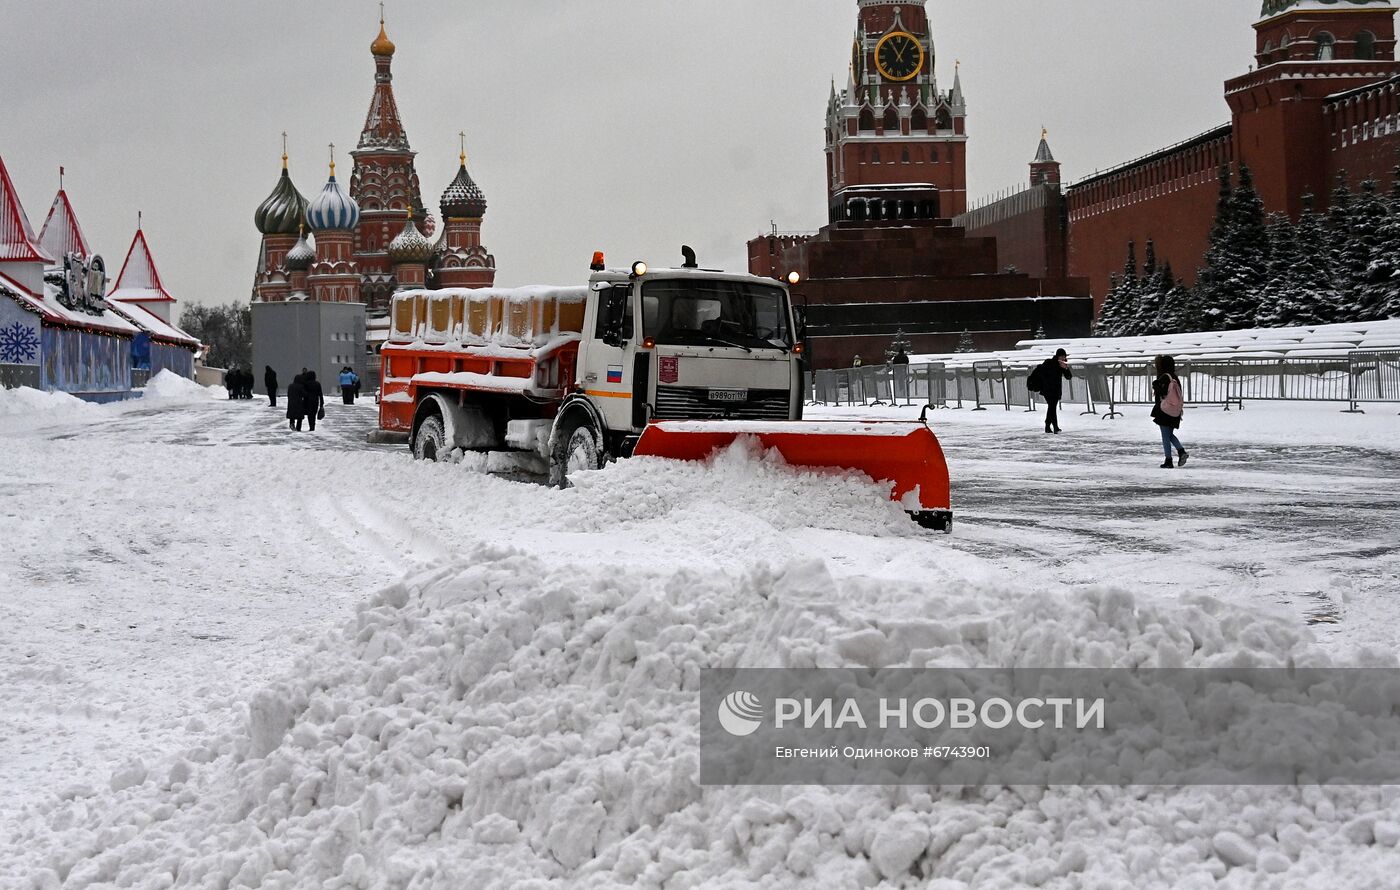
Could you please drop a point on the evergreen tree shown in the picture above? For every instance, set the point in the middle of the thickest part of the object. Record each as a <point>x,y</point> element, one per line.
<point>1369,216</point>
<point>1281,295</point>
<point>965,344</point>
<point>1121,304</point>
<point>1156,281</point>
<point>1209,278</point>
<point>1113,285</point>
<point>1244,257</point>
<point>1177,314</point>
<point>1313,281</point>
<point>1338,236</point>
<point>1385,258</point>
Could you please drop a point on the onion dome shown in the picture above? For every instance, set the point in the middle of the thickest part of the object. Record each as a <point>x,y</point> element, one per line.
<point>300,257</point>
<point>382,45</point>
<point>411,246</point>
<point>332,209</point>
<point>463,198</point>
<point>282,212</point>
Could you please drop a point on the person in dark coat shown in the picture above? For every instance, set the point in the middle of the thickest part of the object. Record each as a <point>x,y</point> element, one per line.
<point>296,402</point>
<point>231,382</point>
<point>313,399</point>
<point>1048,380</point>
<point>900,358</point>
<point>270,384</point>
<point>1168,409</point>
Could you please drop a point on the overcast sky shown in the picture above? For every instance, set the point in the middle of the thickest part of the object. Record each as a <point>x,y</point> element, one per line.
<point>630,126</point>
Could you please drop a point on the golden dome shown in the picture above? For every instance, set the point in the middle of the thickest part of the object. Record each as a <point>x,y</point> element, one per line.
<point>382,45</point>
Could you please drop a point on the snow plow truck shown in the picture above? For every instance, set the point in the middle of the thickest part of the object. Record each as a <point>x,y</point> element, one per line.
<point>673,363</point>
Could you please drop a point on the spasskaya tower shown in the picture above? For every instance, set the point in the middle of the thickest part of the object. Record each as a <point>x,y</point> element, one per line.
<point>896,146</point>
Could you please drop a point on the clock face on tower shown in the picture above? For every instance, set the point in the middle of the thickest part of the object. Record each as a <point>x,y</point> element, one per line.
<point>899,56</point>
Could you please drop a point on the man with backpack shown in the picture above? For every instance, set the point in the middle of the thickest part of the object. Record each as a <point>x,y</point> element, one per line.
<point>1048,381</point>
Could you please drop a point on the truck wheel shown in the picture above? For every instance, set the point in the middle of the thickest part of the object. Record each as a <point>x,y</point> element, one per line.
<point>576,448</point>
<point>430,442</point>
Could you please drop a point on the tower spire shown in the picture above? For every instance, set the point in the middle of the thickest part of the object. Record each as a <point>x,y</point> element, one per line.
<point>332,160</point>
<point>284,149</point>
<point>463,136</point>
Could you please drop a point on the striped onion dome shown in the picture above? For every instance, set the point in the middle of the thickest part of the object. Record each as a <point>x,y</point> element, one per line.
<point>463,198</point>
<point>411,246</point>
<point>333,209</point>
<point>300,257</point>
<point>282,212</point>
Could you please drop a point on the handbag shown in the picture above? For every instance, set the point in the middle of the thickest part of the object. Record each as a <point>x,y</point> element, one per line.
<point>321,414</point>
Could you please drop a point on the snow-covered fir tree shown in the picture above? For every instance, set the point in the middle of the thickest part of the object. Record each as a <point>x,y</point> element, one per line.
<point>1368,215</point>
<point>1316,299</point>
<point>1121,303</point>
<point>965,344</point>
<point>1177,313</point>
<point>1384,270</point>
<point>1209,280</point>
<point>1280,295</point>
<point>1242,258</point>
<point>1156,281</point>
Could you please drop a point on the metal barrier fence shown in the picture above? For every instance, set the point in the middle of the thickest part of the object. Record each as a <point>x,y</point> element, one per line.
<point>1373,377</point>
<point>1100,388</point>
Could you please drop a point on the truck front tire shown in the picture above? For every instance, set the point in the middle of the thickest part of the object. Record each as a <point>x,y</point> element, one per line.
<point>576,446</point>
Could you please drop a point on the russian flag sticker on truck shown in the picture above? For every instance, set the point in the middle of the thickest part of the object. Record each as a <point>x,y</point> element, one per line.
<point>614,373</point>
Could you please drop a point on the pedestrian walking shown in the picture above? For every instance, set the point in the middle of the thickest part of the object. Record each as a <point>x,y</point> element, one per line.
<point>270,384</point>
<point>231,382</point>
<point>348,380</point>
<point>1168,409</point>
<point>855,362</point>
<point>313,400</point>
<point>296,402</point>
<point>1048,379</point>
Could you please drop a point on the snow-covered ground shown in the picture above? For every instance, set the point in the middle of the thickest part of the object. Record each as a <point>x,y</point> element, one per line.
<point>233,655</point>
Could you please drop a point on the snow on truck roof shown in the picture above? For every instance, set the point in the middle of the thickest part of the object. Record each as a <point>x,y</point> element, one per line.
<point>504,320</point>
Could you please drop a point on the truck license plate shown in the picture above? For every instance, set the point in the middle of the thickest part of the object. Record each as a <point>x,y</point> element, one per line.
<point>729,395</point>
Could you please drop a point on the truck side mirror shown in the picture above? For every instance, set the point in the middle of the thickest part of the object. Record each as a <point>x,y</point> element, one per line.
<point>613,309</point>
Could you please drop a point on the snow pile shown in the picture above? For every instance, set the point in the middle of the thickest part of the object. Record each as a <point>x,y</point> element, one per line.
<point>507,721</point>
<point>24,401</point>
<point>171,386</point>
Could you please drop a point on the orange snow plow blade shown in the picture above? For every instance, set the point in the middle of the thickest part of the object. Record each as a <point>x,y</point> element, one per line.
<point>905,454</point>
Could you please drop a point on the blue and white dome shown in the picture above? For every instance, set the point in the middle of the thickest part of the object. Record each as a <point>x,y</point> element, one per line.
<point>332,209</point>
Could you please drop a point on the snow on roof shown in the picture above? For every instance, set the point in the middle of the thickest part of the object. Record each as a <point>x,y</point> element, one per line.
<point>47,307</point>
<point>17,241</point>
<point>158,328</point>
<point>61,234</point>
<point>139,281</point>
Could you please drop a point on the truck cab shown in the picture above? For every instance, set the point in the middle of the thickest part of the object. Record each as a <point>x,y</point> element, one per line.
<point>676,344</point>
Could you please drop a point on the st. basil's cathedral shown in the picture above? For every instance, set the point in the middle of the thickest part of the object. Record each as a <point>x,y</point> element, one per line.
<point>341,250</point>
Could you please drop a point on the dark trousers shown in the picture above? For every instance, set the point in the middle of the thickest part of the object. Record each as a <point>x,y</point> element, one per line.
<point>347,393</point>
<point>311,421</point>
<point>272,397</point>
<point>1052,414</point>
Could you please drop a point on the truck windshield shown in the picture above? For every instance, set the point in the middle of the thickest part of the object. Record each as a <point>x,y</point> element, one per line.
<point>684,312</point>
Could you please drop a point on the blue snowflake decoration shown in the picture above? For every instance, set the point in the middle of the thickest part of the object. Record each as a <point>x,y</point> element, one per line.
<point>18,344</point>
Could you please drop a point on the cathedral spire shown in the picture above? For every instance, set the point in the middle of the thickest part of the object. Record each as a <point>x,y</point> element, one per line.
<point>383,129</point>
